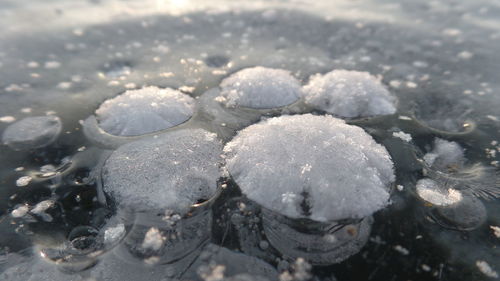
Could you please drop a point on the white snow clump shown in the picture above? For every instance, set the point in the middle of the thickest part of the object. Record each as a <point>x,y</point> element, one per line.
<point>349,94</point>
<point>307,166</point>
<point>445,154</point>
<point>143,111</point>
<point>173,171</point>
<point>260,88</point>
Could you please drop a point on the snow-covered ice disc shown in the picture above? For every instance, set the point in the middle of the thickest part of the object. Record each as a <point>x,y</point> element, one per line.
<point>260,88</point>
<point>307,166</point>
<point>169,171</point>
<point>349,94</point>
<point>32,132</point>
<point>143,111</point>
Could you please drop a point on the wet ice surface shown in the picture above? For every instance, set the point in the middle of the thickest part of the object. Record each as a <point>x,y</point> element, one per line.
<point>349,94</point>
<point>438,58</point>
<point>150,109</point>
<point>298,166</point>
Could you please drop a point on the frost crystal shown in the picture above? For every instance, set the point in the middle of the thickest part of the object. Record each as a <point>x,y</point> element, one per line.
<point>112,234</point>
<point>150,109</point>
<point>260,88</point>
<point>347,173</point>
<point>173,170</point>
<point>32,132</point>
<point>349,94</point>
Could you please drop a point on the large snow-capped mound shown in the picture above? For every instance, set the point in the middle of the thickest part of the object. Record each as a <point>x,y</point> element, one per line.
<point>260,88</point>
<point>32,132</point>
<point>307,166</point>
<point>172,171</point>
<point>146,110</point>
<point>349,94</point>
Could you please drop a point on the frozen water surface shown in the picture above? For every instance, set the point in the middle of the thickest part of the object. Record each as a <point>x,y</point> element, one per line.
<point>146,110</point>
<point>307,166</point>
<point>349,94</point>
<point>32,132</point>
<point>170,171</point>
<point>439,59</point>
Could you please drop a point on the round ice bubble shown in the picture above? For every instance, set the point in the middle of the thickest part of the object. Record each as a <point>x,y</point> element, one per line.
<point>32,132</point>
<point>143,111</point>
<point>173,170</point>
<point>307,166</point>
<point>431,192</point>
<point>260,88</point>
<point>349,94</point>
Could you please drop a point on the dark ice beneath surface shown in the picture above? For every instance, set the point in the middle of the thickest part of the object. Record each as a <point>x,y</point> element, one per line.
<point>439,58</point>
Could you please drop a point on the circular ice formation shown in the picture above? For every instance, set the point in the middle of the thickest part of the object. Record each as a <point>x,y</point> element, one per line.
<point>307,166</point>
<point>349,94</point>
<point>32,132</point>
<point>143,111</point>
<point>260,88</point>
<point>171,171</point>
<point>431,192</point>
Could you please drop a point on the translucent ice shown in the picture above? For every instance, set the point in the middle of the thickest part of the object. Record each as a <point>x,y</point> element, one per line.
<point>260,88</point>
<point>150,109</point>
<point>307,166</point>
<point>32,132</point>
<point>349,94</point>
<point>173,170</point>
<point>445,155</point>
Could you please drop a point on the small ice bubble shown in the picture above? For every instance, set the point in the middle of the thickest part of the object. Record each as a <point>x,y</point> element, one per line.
<point>274,152</point>
<point>132,112</point>
<point>52,64</point>
<point>400,187</point>
<point>349,94</point>
<point>260,88</point>
<point>411,84</point>
<point>465,55</point>
<point>452,32</point>
<point>402,135</point>
<point>486,269</point>
<point>32,132</point>
<point>153,239</point>
<point>401,250</point>
<point>431,192</point>
<point>425,267</point>
<point>112,234</point>
<point>496,230</point>
<point>7,119</point>
<point>23,181</point>
<point>33,64</point>
<point>20,211</point>
<point>42,206</point>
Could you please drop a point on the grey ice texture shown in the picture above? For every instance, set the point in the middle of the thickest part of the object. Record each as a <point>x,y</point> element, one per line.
<point>260,88</point>
<point>143,111</point>
<point>170,171</point>
<point>32,132</point>
<point>349,94</point>
<point>445,154</point>
<point>337,169</point>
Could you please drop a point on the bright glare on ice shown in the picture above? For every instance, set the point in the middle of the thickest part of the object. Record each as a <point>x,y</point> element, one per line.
<point>349,94</point>
<point>334,170</point>
<point>150,109</point>
<point>260,88</point>
<point>173,170</point>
